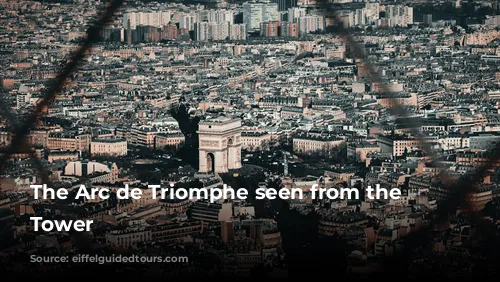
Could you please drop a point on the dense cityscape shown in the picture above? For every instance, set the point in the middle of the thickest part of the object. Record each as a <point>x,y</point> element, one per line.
<point>256,94</point>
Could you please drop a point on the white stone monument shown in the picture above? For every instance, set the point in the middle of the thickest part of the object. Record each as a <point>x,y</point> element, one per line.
<point>220,145</point>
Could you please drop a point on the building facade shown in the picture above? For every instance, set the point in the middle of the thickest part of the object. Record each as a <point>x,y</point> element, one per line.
<point>219,145</point>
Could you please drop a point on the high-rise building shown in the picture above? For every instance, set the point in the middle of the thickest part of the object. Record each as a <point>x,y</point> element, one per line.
<point>295,13</point>
<point>346,18</point>
<point>312,23</point>
<point>427,18</point>
<point>201,31</point>
<point>359,17</point>
<point>284,5</point>
<point>217,16</point>
<point>269,29</point>
<point>219,31</point>
<point>187,21</point>
<point>289,29</point>
<point>211,31</point>
<point>257,12</point>
<point>398,15</point>
<point>237,32</point>
<point>372,12</point>
<point>129,33</point>
<point>157,19</point>
<point>171,31</point>
<point>408,15</point>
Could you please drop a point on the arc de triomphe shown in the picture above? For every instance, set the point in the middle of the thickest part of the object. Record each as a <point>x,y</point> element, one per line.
<point>219,145</point>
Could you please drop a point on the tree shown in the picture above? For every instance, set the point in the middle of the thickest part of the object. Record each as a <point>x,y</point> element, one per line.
<point>336,154</point>
<point>189,127</point>
<point>375,162</point>
<point>265,145</point>
<point>129,115</point>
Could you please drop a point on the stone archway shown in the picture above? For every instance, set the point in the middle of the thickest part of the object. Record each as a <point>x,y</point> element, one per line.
<point>229,143</point>
<point>219,145</point>
<point>210,162</point>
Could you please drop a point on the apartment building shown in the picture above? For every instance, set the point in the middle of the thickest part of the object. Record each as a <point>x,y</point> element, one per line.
<point>254,140</point>
<point>308,144</point>
<point>397,145</point>
<point>128,237</point>
<point>173,232</point>
<point>108,147</point>
<point>210,213</point>
<point>69,141</point>
<point>169,139</point>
